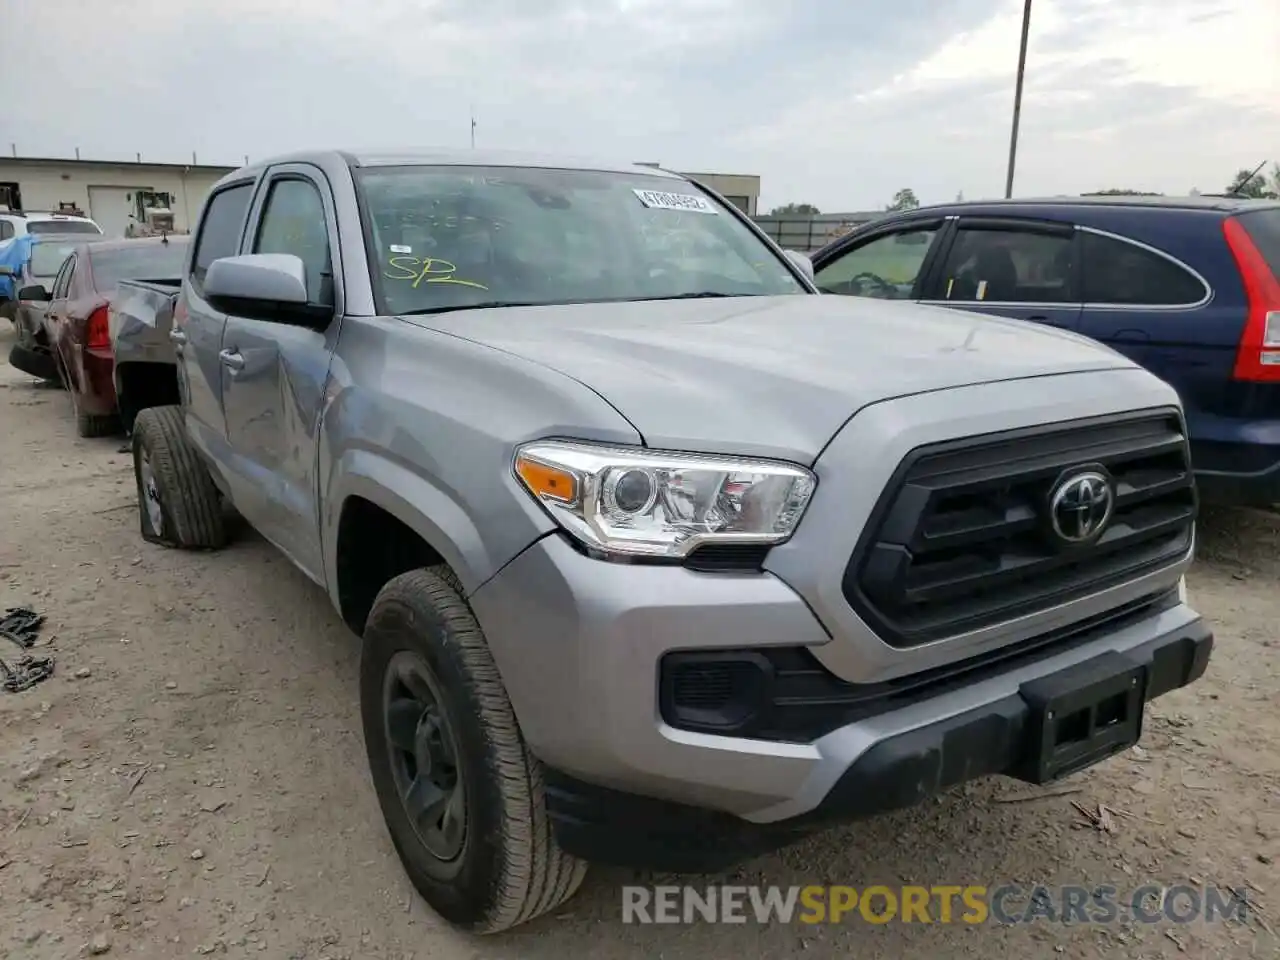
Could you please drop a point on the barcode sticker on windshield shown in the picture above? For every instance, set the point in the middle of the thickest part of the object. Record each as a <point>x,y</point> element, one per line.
<point>685,202</point>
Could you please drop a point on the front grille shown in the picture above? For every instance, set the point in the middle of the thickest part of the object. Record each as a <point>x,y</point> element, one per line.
<point>962,539</point>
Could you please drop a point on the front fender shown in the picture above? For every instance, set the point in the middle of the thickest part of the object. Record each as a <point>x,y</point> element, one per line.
<point>420,505</point>
<point>425,425</point>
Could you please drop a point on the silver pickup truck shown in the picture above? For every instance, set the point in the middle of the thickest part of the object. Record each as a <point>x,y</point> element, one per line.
<point>661,558</point>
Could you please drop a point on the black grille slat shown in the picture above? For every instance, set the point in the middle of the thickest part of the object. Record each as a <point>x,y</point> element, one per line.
<point>961,538</point>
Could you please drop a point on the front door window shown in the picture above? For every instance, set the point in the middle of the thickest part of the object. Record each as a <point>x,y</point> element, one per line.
<point>886,268</point>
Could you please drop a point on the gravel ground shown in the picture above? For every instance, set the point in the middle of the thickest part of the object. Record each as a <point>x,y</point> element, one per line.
<point>192,779</point>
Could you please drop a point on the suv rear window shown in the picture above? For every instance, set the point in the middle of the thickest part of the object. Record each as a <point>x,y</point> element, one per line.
<point>1263,227</point>
<point>47,258</point>
<point>1119,272</point>
<point>62,227</point>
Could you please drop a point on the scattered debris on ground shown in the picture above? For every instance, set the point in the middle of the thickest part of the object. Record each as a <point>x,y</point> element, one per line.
<point>21,626</point>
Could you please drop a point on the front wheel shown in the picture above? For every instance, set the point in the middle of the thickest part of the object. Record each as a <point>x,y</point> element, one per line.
<point>462,796</point>
<point>178,504</point>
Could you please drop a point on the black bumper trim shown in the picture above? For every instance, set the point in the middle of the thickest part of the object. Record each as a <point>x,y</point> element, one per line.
<point>622,829</point>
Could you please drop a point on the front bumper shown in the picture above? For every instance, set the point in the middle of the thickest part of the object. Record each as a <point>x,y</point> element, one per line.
<point>578,643</point>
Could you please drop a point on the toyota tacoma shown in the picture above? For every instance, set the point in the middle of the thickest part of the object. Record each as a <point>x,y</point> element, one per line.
<point>660,557</point>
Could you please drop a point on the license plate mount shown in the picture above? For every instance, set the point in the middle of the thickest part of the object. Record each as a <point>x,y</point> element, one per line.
<point>1082,715</point>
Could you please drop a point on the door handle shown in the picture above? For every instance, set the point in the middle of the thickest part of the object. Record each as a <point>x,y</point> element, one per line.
<point>178,337</point>
<point>232,358</point>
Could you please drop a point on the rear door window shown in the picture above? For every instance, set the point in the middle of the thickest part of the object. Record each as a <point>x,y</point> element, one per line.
<point>1009,266</point>
<point>1263,227</point>
<point>1124,274</point>
<point>221,228</point>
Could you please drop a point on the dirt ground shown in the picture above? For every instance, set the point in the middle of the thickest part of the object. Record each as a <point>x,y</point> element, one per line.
<point>192,779</point>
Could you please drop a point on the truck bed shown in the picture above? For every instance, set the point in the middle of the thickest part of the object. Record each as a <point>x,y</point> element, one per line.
<point>140,319</point>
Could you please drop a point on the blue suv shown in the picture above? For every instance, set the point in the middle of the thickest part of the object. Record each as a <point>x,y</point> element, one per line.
<point>1187,287</point>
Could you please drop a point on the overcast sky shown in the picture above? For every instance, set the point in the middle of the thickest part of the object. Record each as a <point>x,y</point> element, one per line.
<point>833,102</point>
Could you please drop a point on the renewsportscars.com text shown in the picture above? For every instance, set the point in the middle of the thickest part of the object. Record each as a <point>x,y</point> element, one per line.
<point>968,904</point>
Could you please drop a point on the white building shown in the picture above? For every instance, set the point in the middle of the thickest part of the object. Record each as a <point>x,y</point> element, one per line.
<point>108,191</point>
<point>112,191</point>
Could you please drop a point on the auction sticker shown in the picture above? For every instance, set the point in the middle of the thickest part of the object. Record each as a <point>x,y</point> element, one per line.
<point>688,203</point>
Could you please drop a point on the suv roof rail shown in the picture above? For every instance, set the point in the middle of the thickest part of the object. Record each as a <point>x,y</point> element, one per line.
<point>55,213</point>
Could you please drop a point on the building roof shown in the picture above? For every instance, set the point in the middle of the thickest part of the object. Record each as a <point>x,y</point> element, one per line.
<point>73,161</point>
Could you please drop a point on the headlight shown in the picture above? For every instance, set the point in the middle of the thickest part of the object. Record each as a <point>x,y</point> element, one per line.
<point>641,503</point>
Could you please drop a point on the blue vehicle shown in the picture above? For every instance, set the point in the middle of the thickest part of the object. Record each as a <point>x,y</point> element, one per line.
<point>1188,287</point>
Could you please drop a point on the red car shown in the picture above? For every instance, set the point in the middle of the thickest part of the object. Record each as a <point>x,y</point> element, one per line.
<point>76,321</point>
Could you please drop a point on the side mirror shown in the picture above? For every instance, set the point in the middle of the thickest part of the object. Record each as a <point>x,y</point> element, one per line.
<point>801,261</point>
<point>35,292</point>
<point>6,270</point>
<point>265,286</point>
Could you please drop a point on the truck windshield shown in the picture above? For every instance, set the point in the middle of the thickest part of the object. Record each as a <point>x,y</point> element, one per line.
<point>450,237</point>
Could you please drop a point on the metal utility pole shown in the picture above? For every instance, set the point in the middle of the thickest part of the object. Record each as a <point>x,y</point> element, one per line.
<point>1017,98</point>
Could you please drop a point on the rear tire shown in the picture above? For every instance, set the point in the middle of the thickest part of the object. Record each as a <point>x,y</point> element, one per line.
<point>178,503</point>
<point>507,867</point>
<point>88,425</point>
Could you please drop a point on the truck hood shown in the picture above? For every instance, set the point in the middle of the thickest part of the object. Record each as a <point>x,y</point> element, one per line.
<point>768,376</point>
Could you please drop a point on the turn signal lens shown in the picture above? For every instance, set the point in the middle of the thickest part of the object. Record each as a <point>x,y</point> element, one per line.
<point>546,481</point>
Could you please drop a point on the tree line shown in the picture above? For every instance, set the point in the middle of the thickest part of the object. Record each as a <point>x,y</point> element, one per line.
<point>1258,184</point>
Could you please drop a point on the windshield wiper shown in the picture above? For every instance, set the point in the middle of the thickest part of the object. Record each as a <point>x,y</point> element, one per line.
<point>493,304</point>
<point>486,305</point>
<point>701,294</point>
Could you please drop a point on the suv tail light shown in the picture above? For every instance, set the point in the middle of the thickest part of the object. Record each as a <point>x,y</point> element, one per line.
<point>97,333</point>
<point>1258,357</point>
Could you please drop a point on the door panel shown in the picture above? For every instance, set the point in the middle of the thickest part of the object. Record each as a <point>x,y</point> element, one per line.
<point>55,318</point>
<point>198,325</point>
<point>274,374</point>
<point>111,208</point>
<point>1021,269</point>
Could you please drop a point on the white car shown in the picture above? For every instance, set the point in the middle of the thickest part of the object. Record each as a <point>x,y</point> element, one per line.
<point>20,224</point>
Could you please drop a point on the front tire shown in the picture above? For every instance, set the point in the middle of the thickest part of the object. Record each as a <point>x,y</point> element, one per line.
<point>178,504</point>
<point>443,742</point>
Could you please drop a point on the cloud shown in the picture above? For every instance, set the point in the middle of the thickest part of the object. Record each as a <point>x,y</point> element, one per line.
<point>835,104</point>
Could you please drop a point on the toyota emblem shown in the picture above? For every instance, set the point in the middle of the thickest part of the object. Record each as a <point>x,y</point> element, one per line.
<point>1081,505</point>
